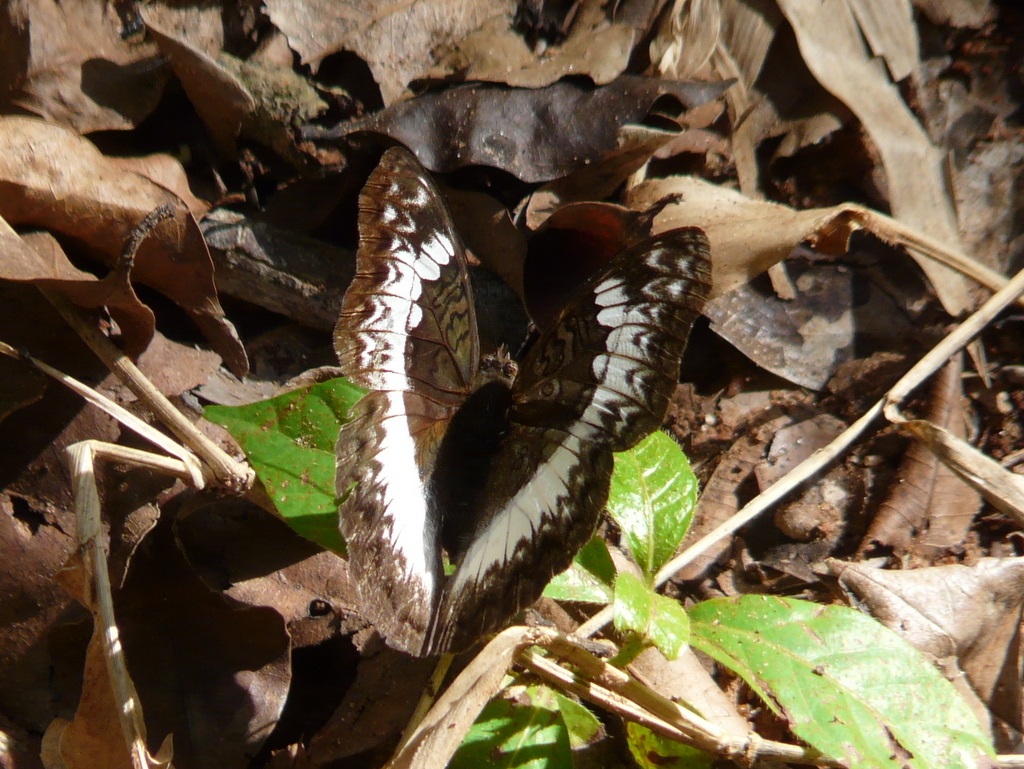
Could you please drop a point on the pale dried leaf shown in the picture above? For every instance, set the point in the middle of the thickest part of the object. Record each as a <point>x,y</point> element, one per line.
<point>497,52</point>
<point>957,13</point>
<point>685,679</point>
<point>748,236</point>
<point>888,26</point>
<point>686,37</point>
<point>834,49</point>
<point>748,29</point>
<point>399,42</point>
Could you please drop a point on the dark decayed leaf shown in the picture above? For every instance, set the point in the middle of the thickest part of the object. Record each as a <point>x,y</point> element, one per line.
<point>211,672</point>
<point>290,442</point>
<point>535,134</point>
<point>848,686</point>
<point>524,730</point>
<point>654,619</point>
<point>652,498</point>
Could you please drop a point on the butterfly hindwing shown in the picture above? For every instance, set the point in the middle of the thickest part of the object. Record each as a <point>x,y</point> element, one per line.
<point>597,381</point>
<point>407,333</point>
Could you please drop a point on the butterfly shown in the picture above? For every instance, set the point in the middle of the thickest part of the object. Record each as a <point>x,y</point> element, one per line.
<point>505,471</point>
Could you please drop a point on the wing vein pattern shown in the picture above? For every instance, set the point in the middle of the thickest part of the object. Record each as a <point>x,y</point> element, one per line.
<point>597,381</point>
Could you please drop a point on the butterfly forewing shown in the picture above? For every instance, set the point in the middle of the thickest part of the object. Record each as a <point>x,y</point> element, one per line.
<point>407,333</point>
<point>596,382</point>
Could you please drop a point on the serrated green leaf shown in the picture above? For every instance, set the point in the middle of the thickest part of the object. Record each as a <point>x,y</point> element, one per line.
<point>652,499</point>
<point>658,620</point>
<point>525,732</point>
<point>289,441</point>
<point>588,579</point>
<point>848,686</point>
<point>652,751</point>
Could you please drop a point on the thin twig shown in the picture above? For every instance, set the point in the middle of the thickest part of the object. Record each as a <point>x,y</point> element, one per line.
<point>611,688</point>
<point>229,473</point>
<point>123,416</point>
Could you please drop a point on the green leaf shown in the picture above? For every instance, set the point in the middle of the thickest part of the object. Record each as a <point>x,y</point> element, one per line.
<point>652,499</point>
<point>526,732</point>
<point>652,751</point>
<point>658,620</point>
<point>848,686</point>
<point>588,579</point>
<point>584,727</point>
<point>289,440</point>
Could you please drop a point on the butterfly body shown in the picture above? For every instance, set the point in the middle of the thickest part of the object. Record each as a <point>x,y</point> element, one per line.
<point>508,477</point>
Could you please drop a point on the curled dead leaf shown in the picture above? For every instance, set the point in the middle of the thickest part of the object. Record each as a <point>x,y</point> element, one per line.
<point>53,179</point>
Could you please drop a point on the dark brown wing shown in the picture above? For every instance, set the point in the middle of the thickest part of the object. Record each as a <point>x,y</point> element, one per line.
<point>407,333</point>
<point>597,382</point>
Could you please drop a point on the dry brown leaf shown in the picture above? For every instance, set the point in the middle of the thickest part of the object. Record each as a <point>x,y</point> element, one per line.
<point>748,236</point>
<point>536,134</point>
<point>69,62</point>
<point>53,179</point>
<point>928,504</point>
<point>399,42</point>
<point>833,47</point>
<point>727,490</point>
<point>489,234</point>
<point>213,673</point>
<point>376,708</point>
<point>599,179</point>
<point>498,53</point>
<point>41,261</point>
<point>103,726</point>
<point>34,548</point>
<point>819,511</point>
<point>93,739</point>
<point>166,171</point>
<point>805,337</point>
<point>1003,488</point>
<point>257,99</point>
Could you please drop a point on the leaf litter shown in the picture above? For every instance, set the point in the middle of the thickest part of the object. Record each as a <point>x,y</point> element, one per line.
<point>817,164</point>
